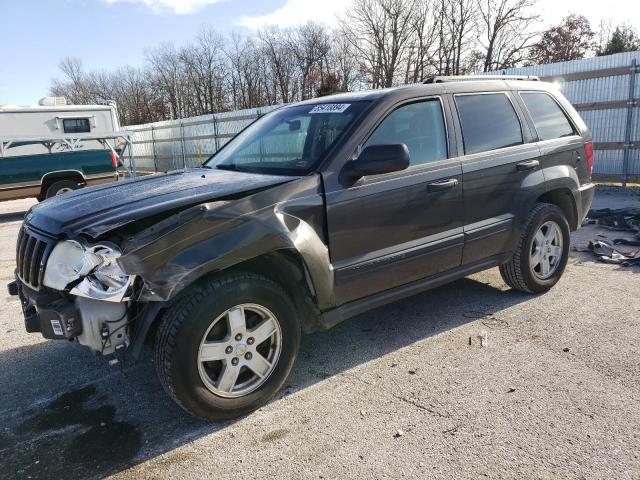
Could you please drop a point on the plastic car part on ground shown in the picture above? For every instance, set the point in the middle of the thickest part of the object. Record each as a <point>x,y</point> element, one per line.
<point>613,251</point>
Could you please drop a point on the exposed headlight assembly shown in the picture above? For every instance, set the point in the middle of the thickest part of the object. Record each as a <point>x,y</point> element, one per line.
<point>96,267</point>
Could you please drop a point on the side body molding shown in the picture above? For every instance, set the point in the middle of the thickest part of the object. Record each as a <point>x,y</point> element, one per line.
<point>214,236</point>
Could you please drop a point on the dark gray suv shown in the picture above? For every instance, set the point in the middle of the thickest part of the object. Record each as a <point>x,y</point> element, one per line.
<point>316,212</point>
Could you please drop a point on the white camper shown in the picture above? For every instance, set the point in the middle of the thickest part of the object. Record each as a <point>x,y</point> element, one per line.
<point>53,148</point>
<point>53,119</point>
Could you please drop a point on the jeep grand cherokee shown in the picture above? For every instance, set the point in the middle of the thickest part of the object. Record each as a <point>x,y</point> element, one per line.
<point>316,212</point>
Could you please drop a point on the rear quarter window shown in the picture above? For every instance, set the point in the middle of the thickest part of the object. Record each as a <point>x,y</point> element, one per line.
<point>488,122</point>
<point>548,118</point>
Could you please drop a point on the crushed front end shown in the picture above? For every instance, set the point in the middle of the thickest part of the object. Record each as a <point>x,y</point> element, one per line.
<point>74,290</point>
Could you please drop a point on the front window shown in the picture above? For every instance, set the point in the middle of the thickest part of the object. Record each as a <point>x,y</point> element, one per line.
<point>290,141</point>
<point>420,126</point>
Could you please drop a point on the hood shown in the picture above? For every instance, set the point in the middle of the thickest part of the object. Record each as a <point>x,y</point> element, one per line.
<point>97,210</point>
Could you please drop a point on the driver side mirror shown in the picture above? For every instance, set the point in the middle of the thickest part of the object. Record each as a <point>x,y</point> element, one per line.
<point>375,160</point>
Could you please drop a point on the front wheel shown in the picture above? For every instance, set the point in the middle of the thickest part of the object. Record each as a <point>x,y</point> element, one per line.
<point>227,347</point>
<point>542,253</point>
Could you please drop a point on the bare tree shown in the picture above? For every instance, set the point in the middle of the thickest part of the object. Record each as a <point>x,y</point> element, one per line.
<point>344,63</point>
<point>276,46</point>
<point>310,44</point>
<point>245,83</point>
<point>380,31</point>
<point>75,85</point>
<point>507,31</point>
<point>456,24</point>
<point>167,76</point>
<point>205,71</point>
<point>380,43</point>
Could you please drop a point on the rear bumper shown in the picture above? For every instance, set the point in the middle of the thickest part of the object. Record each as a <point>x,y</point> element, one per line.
<point>584,197</point>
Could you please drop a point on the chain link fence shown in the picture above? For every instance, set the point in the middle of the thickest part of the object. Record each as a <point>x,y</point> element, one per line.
<point>174,144</point>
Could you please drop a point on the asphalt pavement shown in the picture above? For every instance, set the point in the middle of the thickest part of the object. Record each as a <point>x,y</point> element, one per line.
<point>467,381</point>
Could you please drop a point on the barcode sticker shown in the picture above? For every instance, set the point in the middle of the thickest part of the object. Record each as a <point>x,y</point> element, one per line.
<point>330,108</point>
<point>57,327</point>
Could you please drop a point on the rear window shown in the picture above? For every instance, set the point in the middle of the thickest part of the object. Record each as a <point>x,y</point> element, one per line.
<point>488,122</point>
<point>76,125</point>
<point>549,120</point>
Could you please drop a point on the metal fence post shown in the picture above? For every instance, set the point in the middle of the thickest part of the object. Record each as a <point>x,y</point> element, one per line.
<point>184,160</point>
<point>153,146</point>
<point>631,103</point>
<point>216,140</point>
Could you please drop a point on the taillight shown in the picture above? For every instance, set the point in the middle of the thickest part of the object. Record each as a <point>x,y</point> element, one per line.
<point>114,159</point>
<point>588,153</point>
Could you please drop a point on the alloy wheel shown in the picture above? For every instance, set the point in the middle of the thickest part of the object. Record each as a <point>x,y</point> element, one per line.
<point>239,350</point>
<point>546,250</point>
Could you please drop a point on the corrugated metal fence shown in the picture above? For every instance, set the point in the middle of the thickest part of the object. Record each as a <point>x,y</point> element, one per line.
<point>602,89</point>
<point>605,90</point>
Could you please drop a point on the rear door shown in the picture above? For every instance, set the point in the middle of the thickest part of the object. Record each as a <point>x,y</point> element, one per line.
<point>560,144</point>
<point>391,229</point>
<point>500,170</point>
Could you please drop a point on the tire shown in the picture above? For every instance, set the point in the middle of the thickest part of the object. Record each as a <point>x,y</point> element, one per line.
<point>204,314</point>
<point>522,272</point>
<point>60,187</point>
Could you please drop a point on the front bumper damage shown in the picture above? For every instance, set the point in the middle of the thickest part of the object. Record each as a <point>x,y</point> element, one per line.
<point>99,325</point>
<point>51,314</point>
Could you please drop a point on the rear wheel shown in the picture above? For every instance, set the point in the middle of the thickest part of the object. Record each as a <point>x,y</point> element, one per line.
<point>227,346</point>
<point>543,251</point>
<point>60,187</point>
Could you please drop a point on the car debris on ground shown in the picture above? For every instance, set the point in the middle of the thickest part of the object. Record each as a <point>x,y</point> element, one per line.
<point>617,250</point>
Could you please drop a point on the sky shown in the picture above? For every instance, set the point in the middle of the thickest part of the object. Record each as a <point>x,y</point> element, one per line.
<point>36,34</point>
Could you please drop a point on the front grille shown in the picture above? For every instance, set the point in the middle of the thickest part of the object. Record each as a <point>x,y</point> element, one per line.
<point>32,252</point>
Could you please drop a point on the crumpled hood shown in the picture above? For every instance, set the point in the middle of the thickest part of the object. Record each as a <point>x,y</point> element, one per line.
<point>96,210</point>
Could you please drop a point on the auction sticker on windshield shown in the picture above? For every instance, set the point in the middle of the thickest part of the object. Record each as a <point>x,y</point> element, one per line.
<point>330,108</point>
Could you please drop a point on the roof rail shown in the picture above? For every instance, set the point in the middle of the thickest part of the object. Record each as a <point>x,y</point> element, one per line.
<point>478,78</point>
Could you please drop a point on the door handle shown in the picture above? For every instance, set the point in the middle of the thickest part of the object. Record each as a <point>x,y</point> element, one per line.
<point>528,165</point>
<point>442,185</point>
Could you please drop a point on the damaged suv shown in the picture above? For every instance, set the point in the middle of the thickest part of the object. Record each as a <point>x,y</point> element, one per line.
<point>316,212</point>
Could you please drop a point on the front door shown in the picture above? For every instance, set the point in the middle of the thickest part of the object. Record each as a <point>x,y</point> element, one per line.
<point>391,229</point>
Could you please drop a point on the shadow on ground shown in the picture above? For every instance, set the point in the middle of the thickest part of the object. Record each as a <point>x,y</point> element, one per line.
<point>66,415</point>
<point>12,216</point>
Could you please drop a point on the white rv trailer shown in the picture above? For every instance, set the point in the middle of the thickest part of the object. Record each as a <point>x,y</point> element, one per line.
<point>55,141</point>
<point>54,119</point>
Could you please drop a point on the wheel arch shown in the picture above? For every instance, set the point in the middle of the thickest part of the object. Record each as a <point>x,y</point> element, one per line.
<point>288,268</point>
<point>285,267</point>
<point>564,200</point>
<point>50,178</point>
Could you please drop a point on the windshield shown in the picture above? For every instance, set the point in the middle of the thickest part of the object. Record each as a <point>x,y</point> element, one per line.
<point>290,141</point>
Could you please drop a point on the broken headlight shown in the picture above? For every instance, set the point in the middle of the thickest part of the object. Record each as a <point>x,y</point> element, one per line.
<point>91,270</point>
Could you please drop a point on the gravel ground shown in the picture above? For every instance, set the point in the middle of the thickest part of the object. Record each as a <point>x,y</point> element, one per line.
<point>404,391</point>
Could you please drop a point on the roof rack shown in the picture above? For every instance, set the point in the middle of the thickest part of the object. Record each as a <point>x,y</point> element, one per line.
<point>478,78</point>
